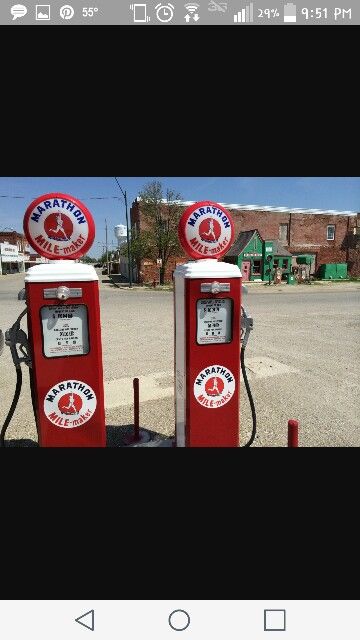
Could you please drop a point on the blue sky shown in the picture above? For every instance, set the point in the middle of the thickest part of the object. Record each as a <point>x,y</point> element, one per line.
<point>317,193</point>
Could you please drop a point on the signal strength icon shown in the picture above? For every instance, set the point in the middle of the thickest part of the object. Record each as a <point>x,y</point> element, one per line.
<point>192,14</point>
<point>246,14</point>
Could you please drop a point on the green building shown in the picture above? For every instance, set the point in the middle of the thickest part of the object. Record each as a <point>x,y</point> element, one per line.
<point>255,256</point>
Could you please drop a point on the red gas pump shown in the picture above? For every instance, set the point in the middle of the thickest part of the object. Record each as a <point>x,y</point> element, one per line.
<point>64,340</point>
<point>208,330</point>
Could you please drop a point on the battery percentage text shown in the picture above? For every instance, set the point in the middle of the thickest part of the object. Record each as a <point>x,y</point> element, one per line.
<point>268,13</point>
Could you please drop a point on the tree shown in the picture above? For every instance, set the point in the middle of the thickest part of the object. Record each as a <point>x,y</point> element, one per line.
<point>88,259</point>
<point>160,237</point>
<point>141,245</point>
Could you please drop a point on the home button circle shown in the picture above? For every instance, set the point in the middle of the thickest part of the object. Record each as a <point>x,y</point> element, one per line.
<point>179,620</point>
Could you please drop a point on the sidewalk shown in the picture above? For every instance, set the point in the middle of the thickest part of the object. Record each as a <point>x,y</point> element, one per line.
<point>318,285</point>
<point>254,287</point>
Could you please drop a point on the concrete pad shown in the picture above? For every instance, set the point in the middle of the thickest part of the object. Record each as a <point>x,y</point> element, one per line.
<point>119,392</point>
<point>264,367</point>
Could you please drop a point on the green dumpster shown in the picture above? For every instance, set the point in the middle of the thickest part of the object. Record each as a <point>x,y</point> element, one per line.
<point>341,270</point>
<point>290,278</point>
<point>333,271</point>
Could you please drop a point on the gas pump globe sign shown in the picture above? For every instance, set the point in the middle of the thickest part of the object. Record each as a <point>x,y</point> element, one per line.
<point>59,226</point>
<point>206,230</point>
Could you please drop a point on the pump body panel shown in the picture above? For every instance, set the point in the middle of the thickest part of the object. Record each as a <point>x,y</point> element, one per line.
<point>207,354</point>
<point>65,337</point>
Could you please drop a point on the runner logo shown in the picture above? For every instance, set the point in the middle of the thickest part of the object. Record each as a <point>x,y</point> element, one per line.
<point>209,230</point>
<point>59,226</point>
<point>70,404</point>
<point>214,386</point>
<point>206,230</point>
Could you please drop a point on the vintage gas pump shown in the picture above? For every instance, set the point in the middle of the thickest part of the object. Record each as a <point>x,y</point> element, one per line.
<point>64,341</point>
<point>209,326</point>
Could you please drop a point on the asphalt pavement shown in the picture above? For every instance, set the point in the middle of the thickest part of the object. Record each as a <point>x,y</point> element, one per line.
<point>302,362</point>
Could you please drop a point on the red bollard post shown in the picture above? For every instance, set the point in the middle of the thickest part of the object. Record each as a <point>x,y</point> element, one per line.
<point>293,433</point>
<point>139,436</point>
<point>136,410</point>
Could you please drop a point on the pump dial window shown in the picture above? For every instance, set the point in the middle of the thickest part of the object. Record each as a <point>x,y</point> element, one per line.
<point>65,330</point>
<point>214,320</point>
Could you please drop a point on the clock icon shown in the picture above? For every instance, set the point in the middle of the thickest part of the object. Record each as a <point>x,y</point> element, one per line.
<point>164,12</point>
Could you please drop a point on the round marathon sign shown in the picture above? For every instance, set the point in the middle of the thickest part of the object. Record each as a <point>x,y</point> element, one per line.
<point>206,230</point>
<point>70,404</point>
<point>214,386</point>
<point>59,226</point>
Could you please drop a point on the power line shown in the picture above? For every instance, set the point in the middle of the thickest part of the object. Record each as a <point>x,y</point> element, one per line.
<point>82,198</point>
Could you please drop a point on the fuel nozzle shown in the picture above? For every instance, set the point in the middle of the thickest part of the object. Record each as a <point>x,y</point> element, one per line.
<point>247,325</point>
<point>16,338</point>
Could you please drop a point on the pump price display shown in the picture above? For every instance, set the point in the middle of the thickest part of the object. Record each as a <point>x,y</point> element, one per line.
<point>65,330</point>
<point>214,320</point>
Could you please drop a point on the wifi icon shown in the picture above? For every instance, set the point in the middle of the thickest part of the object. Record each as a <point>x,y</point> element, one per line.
<point>191,8</point>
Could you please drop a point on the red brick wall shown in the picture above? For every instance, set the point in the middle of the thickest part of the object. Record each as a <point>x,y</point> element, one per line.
<point>267,222</point>
<point>13,237</point>
<point>135,215</point>
<point>150,270</point>
<point>307,234</point>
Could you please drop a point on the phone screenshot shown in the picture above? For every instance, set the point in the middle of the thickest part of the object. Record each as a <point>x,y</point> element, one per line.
<point>169,619</point>
<point>234,13</point>
<point>199,312</point>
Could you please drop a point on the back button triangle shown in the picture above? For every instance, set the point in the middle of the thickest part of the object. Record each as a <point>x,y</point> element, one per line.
<point>87,620</point>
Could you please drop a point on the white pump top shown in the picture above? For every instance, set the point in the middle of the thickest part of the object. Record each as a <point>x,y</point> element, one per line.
<point>207,268</point>
<point>60,271</point>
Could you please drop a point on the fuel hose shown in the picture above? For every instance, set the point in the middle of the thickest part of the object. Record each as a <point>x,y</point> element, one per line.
<point>13,405</point>
<point>251,400</point>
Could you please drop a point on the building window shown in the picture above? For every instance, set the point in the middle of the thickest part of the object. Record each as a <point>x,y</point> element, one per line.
<point>276,264</point>
<point>256,271</point>
<point>285,263</point>
<point>330,232</point>
<point>283,233</point>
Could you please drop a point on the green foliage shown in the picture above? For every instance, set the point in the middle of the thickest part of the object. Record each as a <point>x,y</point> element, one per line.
<point>141,246</point>
<point>161,216</point>
<point>88,259</point>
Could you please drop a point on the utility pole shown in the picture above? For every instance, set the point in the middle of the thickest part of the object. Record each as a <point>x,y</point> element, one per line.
<point>107,252</point>
<point>127,233</point>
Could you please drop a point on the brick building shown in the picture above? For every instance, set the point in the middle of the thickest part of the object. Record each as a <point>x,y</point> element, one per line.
<point>14,252</point>
<point>328,236</point>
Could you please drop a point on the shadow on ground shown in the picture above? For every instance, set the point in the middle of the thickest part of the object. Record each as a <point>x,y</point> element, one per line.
<point>115,436</point>
<point>24,442</point>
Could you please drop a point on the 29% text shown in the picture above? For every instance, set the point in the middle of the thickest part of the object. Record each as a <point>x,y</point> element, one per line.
<point>268,13</point>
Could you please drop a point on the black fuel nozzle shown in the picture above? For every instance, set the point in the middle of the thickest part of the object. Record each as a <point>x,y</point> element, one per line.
<point>16,338</point>
<point>247,325</point>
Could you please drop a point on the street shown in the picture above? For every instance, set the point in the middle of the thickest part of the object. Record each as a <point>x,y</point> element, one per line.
<point>303,362</point>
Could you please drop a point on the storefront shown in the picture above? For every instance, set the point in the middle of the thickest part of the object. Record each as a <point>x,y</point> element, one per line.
<point>258,258</point>
<point>10,260</point>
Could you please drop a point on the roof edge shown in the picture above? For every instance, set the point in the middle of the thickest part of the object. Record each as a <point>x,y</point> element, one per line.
<point>258,207</point>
